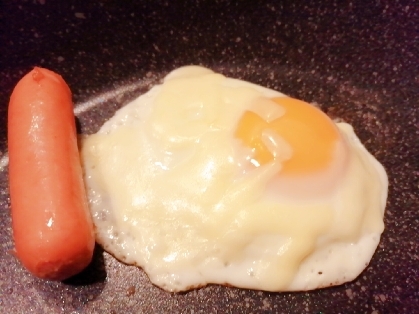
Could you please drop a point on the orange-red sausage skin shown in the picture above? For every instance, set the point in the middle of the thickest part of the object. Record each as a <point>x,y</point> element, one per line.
<point>52,227</point>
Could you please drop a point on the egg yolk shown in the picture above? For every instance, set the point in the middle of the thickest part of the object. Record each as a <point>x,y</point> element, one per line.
<point>309,132</point>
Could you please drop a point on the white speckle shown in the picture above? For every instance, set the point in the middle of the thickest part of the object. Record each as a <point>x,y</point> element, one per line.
<point>382,297</point>
<point>266,304</point>
<point>80,15</point>
<point>238,39</point>
<point>4,161</point>
<point>60,59</point>
<point>349,293</point>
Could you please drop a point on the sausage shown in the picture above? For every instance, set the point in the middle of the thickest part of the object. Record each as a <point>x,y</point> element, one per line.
<point>52,226</point>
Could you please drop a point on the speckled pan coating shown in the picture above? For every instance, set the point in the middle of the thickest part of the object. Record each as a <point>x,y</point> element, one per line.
<point>359,61</point>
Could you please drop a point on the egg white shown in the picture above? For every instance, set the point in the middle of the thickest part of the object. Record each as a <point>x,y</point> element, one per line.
<point>349,219</point>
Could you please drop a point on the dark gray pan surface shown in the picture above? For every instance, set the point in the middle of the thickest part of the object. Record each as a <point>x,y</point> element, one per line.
<point>359,61</point>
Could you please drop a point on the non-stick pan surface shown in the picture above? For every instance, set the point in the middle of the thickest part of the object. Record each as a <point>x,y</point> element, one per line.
<point>359,60</point>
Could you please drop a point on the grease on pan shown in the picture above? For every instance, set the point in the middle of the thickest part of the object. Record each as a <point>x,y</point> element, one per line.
<point>207,179</point>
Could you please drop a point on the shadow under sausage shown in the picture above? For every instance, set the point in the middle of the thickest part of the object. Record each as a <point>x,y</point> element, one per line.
<point>94,273</point>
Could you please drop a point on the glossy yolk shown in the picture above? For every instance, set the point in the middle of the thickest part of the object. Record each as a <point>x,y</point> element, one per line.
<point>310,133</point>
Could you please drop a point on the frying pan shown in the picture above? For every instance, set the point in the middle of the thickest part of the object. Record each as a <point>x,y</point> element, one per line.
<point>359,61</point>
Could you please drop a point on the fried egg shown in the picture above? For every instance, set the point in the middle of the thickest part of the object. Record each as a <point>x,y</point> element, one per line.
<point>208,179</point>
